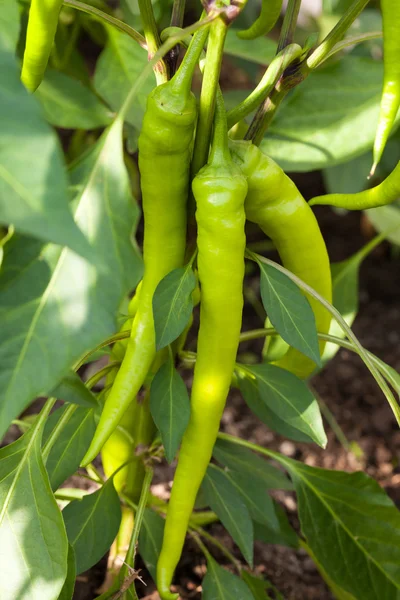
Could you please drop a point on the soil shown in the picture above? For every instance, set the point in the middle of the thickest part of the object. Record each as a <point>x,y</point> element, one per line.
<point>351,396</point>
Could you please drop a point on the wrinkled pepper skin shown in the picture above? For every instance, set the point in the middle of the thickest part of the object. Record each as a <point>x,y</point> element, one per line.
<point>385,193</point>
<point>219,190</point>
<point>165,145</point>
<point>275,204</point>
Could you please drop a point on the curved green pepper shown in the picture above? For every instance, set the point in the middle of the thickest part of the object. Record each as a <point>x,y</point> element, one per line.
<point>270,11</point>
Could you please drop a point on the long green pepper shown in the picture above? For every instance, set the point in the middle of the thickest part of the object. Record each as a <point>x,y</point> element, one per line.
<point>276,205</point>
<point>165,145</point>
<point>219,190</point>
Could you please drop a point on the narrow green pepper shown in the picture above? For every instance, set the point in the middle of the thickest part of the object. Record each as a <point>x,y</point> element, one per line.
<point>165,145</point>
<point>42,27</point>
<point>270,11</point>
<point>219,190</point>
<point>276,205</point>
<point>385,193</point>
<point>390,102</point>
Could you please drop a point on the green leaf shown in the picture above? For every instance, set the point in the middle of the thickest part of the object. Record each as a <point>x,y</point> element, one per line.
<point>330,118</point>
<point>9,25</point>
<point>52,295</point>
<point>244,461</point>
<point>32,534</point>
<point>261,50</point>
<point>170,407</point>
<point>92,525</point>
<point>173,305</point>
<point>222,497</point>
<point>255,496</point>
<point>251,394</point>
<point>352,527</point>
<point>285,536</point>
<point>290,399</point>
<point>73,390</point>
<point>289,311</point>
<point>150,540</point>
<point>385,218</point>
<point>33,184</point>
<point>67,591</point>
<point>219,584</point>
<point>260,587</point>
<point>69,104</point>
<point>117,69</point>
<point>71,445</point>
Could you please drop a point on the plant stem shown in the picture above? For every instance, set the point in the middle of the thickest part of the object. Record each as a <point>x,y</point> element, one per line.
<point>265,115</point>
<point>337,33</point>
<point>178,13</point>
<point>208,94</point>
<point>207,536</point>
<point>289,24</point>
<point>152,39</point>
<point>104,17</point>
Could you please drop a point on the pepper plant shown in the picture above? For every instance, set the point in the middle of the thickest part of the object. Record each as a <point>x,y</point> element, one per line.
<point>105,332</point>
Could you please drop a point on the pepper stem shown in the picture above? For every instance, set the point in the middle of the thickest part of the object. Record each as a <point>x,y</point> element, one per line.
<point>219,148</point>
<point>182,80</point>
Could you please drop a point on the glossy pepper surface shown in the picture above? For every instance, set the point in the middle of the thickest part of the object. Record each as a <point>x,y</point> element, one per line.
<point>270,11</point>
<point>219,190</point>
<point>165,145</point>
<point>276,205</point>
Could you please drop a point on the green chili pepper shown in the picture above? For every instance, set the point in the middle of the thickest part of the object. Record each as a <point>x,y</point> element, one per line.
<point>219,190</point>
<point>276,205</point>
<point>391,82</point>
<point>42,26</point>
<point>165,146</point>
<point>270,11</point>
<point>385,193</point>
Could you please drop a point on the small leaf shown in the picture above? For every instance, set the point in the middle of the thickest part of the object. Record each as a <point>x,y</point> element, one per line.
<point>290,399</point>
<point>170,407</point>
<point>173,305</point>
<point>286,536</point>
<point>72,389</point>
<point>67,591</point>
<point>150,540</point>
<point>251,394</point>
<point>219,584</point>
<point>83,518</point>
<point>33,561</point>
<point>260,587</point>
<point>260,51</point>
<point>69,104</point>
<point>386,217</point>
<point>352,527</point>
<point>71,445</point>
<point>240,459</point>
<point>289,311</point>
<point>224,500</point>
<point>255,496</point>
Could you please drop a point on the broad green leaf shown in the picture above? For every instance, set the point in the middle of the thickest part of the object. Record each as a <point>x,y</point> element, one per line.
<point>285,536</point>
<point>71,445</point>
<point>260,587</point>
<point>33,542</point>
<point>337,591</point>
<point>150,540</point>
<point>69,104</point>
<point>73,390</point>
<point>261,50</point>
<point>220,584</point>
<point>9,25</point>
<point>289,311</point>
<point>170,407</point>
<point>251,394</point>
<point>330,118</point>
<point>223,498</point>
<point>67,591</point>
<point>290,399</point>
<point>386,217</point>
<point>33,183</point>
<point>352,527</point>
<point>240,459</point>
<point>51,295</point>
<point>117,69</point>
<point>173,305</point>
<point>255,496</point>
<point>92,524</point>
